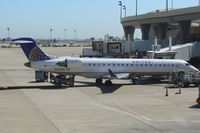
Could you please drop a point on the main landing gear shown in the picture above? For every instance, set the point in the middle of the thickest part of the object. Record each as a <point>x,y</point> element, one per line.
<point>98,81</point>
<point>107,82</point>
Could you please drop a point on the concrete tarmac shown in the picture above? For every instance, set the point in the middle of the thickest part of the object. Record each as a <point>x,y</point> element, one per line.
<point>87,108</point>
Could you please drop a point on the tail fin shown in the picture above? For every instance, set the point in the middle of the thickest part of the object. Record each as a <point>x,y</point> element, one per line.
<point>31,49</point>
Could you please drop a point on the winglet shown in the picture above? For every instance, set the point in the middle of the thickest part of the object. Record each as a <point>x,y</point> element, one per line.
<point>111,74</point>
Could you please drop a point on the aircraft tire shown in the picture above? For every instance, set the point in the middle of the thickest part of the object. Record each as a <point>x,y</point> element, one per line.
<point>98,81</point>
<point>108,83</point>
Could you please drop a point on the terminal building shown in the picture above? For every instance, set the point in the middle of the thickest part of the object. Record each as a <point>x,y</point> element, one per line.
<point>182,25</point>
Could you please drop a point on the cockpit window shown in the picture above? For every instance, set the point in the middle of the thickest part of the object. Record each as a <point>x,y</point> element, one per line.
<point>187,64</point>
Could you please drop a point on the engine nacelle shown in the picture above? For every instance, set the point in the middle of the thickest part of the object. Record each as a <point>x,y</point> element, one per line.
<point>69,63</point>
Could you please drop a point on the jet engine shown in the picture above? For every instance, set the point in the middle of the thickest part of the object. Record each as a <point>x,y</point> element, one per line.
<point>69,63</point>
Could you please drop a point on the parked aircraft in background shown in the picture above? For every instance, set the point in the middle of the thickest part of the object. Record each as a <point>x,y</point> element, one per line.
<point>98,68</point>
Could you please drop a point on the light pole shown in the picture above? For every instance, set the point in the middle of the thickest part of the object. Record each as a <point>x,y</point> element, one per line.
<point>65,34</point>
<point>8,32</point>
<point>136,7</point>
<point>124,7</point>
<point>172,4</point>
<point>120,4</point>
<point>166,5</point>
<point>74,35</point>
<point>51,30</point>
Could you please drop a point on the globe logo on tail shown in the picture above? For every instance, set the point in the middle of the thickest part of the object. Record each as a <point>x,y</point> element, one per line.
<point>37,54</point>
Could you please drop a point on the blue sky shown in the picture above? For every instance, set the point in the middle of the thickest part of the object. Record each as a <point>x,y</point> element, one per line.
<point>90,18</point>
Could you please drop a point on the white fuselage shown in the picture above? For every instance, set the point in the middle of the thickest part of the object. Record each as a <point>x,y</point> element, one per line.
<point>98,67</point>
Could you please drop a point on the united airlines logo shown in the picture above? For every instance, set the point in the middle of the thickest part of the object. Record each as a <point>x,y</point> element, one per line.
<point>36,54</point>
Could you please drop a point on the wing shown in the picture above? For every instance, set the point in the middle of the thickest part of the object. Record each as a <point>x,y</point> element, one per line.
<point>115,75</point>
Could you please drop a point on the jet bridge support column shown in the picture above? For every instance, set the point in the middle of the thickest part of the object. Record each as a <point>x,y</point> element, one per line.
<point>184,28</point>
<point>129,32</point>
<point>160,30</point>
<point>145,28</point>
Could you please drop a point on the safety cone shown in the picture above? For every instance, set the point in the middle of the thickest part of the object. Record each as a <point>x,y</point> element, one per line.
<point>179,91</point>
<point>166,94</point>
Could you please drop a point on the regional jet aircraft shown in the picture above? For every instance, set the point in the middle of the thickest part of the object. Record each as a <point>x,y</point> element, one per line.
<point>98,68</point>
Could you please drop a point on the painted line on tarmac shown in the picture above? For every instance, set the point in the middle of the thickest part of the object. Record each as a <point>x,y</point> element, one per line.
<point>28,87</point>
<point>120,111</point>
<point>132,112</point>
<point>150,120</point>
